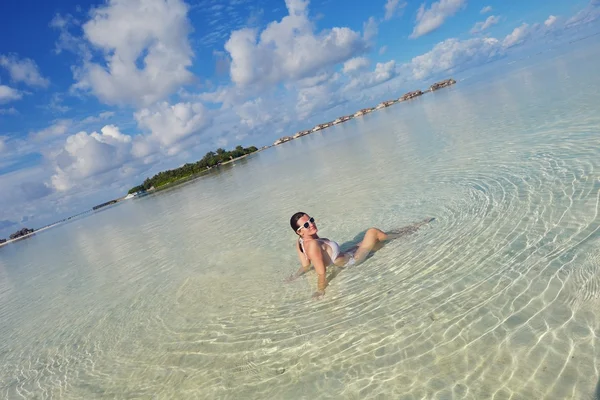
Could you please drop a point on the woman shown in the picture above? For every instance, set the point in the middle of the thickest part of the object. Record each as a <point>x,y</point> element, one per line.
<point>322,252</point>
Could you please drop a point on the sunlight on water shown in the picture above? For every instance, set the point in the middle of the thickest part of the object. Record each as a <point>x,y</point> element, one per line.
<point>181,294</point>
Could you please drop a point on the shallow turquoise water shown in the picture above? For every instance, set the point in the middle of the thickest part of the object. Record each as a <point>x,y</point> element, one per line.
<point>181,294</point>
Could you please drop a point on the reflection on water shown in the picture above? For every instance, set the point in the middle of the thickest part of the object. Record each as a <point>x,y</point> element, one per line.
<point>180,294</point>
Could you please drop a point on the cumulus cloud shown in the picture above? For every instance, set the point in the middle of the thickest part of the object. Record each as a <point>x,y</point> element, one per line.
<point>168,124</point>
<point>68,41</point>
<point>145,48</point>
<point>321,97</point>
<point>452,53</point>
<point>86,155</point>
<point>253,113</point>
<point>8,94</point>
<point>98,118</point>
<point>355,64</point>
<point>430,19</point>
<point>517,36</point>
<point>391,7</point>
<point>550,21</point>
<point>370,29</point>
<point>486,10</point>
<point>483,25</point>
<point>23,70</point>
<point>58,128</point>
<point>383,72</point>
<point>289,50</point>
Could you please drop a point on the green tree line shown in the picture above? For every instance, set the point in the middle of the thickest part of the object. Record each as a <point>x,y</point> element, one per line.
<point>209,160</point>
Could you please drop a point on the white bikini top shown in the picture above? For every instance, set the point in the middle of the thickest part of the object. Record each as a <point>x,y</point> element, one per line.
<point>335,248</point>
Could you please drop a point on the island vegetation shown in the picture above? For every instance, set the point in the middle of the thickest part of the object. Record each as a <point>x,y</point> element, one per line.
<point>210,160</point>
<point>18,234</point>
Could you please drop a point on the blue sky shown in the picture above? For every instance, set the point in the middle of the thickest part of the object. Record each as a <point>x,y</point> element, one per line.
<point>96,96</point>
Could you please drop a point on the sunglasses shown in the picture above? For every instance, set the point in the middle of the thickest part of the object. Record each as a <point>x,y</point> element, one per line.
<point>306,224</point>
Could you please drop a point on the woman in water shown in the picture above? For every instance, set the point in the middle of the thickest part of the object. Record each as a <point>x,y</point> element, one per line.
<point>322,252</point>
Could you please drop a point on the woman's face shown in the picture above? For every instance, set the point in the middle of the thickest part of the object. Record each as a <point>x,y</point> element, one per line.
<point>312,226</point>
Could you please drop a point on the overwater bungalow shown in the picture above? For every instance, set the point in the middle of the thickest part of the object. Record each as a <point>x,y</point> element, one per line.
<point>385,104</point>
<point>410,95</point>
<point>282,140</point>
<point>363,112</point>
<point>442,84</point>
<point>300,133</point>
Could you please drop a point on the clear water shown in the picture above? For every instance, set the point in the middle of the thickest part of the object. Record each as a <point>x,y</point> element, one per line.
<point>181,294</point>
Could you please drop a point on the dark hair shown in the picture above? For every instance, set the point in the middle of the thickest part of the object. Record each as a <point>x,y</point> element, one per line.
<point>294,220</point>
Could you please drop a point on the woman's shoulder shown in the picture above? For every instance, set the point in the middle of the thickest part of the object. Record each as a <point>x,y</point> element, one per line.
<point>312,244</point>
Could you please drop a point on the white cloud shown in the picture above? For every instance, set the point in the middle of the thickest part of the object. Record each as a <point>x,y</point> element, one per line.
<point>355,64</point>
<point>550,21</point>
<point>383,72</point>
<point>22,189</point>
<point>486,10</point>
<point>145,48</point>
<point>317,98</point>
<point>288,50</point>
<point>382,50</point>
<point>451,53</point>
<point>254,114</point>
<point>483,25</point>
<point>88,155</point>
<point>98,118</point>
<point>391,6</point>
<point>58,128</point>
<point>23,70</point>
<point>66,40</point>
<point>589,14</point>
<point>370,29</point>
<point>2,144</point>
<point>8,111</point>
<point>313,80</point>
<point>8,94</point>
<point>432,18</point>
<point>168,124</point>
<point>518,36</point>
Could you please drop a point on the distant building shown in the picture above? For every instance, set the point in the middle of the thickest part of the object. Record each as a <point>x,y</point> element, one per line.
<point>363,112</point>
<point>282,140</point>
<point>300,134</point>
<point>108,203</point>
<point>410,95</point>
<point>442,84</point>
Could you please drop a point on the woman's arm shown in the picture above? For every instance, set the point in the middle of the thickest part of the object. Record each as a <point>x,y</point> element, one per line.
<point>315,253</point>
<point>303,260</point>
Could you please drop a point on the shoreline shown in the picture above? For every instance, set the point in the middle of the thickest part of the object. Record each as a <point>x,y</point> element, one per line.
<point>8,241</point>
<point>122,198</point>
<point>385,104</point>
